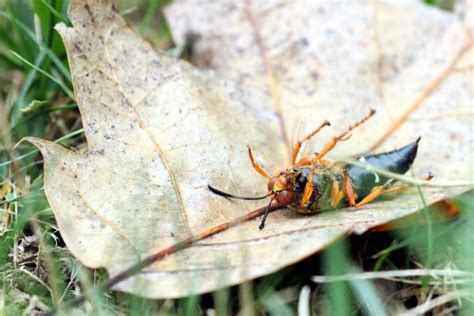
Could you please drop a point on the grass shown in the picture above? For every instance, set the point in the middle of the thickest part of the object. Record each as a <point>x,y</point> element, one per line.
<point>38,272</point>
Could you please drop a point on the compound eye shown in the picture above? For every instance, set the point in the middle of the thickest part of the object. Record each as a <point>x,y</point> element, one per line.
<point>282,173</point>
<point>271,184</point>
<point>302,181</point>
<point>285,198</point>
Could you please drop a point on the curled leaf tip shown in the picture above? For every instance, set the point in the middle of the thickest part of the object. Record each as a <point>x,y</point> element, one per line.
<point>46,147</point>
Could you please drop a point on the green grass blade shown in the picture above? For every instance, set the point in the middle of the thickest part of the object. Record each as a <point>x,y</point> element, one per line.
<point>54,58</point>
<point>30,78</point>
<point>59,83</point>
<point>368,297</point>
<point>18,12</point>
<point>335,262</point>
<point>63,138</point>
<point>153,6</point>
<point>6,39</point>
<point>7,59</point>
<point>429,235</point>
<point>55,12</point>
<point>277,306</point>
<point>25,120</point>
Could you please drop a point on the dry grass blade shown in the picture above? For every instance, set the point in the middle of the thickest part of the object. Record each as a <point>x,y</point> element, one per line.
<point>272,80</point>
<point>435,273</point>
<point>438,301</point>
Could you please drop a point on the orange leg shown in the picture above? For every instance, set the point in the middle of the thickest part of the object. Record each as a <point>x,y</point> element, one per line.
<point>256,165</point>
<point>336,194</point>
<point>304,161</point>
<point>309,188</point>
<point>308,191</point>
<point>378,191</point>
<point>344,135</point>
<point>298,144</point>
<point>307,161</point>
<point>349,190</point>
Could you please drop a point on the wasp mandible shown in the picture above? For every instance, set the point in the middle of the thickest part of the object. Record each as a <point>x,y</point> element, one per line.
<point>312,184</point>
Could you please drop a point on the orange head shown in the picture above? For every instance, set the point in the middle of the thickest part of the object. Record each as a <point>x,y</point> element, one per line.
<point>282,185</point>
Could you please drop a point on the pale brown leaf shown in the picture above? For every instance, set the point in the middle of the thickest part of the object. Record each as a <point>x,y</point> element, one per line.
<point>159,130</point>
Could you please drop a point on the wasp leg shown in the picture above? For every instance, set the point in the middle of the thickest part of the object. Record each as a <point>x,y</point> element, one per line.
<point>304,161</point>
<point>308,191</point>
<point>298,144</point>
<point>349,190</point>
<point>378,191</point>
<point>256,165</point>
<point>336,194</point>
<point>311,160</point>
<point>309,188</point>
<point>344,135</point>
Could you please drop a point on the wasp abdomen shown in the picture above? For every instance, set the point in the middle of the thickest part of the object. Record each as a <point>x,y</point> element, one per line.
<point>396,161</point>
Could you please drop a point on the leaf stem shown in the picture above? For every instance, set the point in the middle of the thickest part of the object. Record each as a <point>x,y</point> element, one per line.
<point>180,245</point>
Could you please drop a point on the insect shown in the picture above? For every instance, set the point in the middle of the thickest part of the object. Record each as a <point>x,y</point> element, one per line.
<point>313,184</point>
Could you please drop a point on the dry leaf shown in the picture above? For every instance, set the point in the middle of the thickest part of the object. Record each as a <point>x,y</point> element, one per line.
<point>466,11</point>
<point>159,130</point>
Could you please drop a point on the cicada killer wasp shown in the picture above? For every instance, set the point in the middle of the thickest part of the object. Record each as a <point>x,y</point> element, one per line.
<point>312,184</point>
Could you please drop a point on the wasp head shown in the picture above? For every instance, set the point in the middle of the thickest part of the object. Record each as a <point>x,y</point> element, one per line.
<point>282,185</point>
